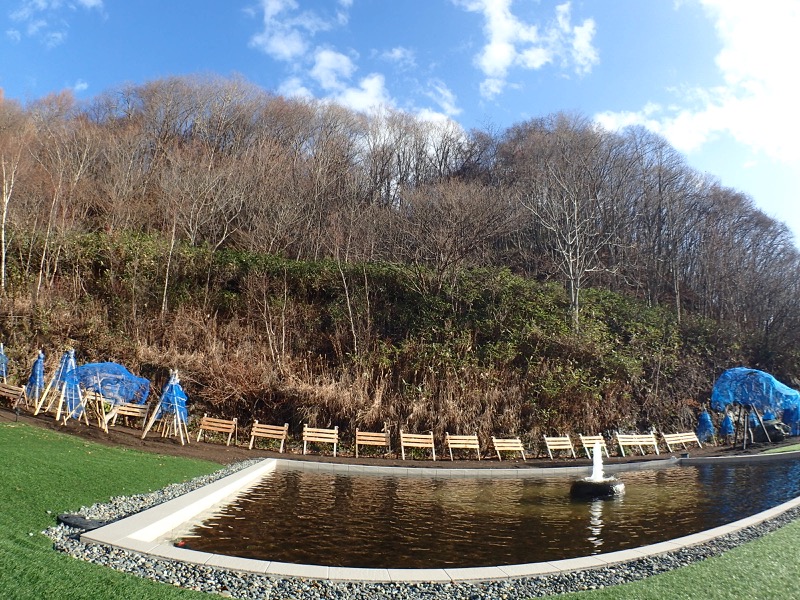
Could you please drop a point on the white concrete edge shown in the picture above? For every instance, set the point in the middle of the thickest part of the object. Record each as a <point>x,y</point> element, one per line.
<point>742,458</point>
<point>140,532</point>
<point>155,522</point>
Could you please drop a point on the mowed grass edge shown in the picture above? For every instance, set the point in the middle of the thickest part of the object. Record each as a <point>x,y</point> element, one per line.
<point>46,473</point>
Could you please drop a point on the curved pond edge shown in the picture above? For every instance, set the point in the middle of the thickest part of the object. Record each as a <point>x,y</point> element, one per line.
<point>150,532</point>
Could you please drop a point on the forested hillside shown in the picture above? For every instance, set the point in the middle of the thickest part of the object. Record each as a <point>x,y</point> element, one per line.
<point>298,261</point>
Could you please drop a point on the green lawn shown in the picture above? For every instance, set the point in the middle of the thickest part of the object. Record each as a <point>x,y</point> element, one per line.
<point>765,569</point>
<point>792,448</point>
<point>47,473</point>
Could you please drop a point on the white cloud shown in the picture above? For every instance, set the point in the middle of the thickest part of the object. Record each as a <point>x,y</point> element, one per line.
<point>287,29</point>
<point>619,120</point>
<point>584,54</point>
<point>46,20</point>
<point>280,45</point>
<point>511,42</point>
<point>330,67</point>
<point>492,87</point>
<point>431,116</point>
<point>294,88</point>
<point>52,39</point>
<point>403,57</point>
<point>444,97</point>
<point>80,86</point>
<point>756,104</point>
<point>287,36</point>
<point>370,94</point>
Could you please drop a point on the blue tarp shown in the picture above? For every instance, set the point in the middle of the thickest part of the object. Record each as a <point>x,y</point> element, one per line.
<point>35,385</point>
<point>66,365</point>
<point>66,381</point>
<point>705,428</point>
<point>114,382</point>
<point>173,399</point>
<point>3,364</point>
<point>726,427</point>
<point>751,387</point>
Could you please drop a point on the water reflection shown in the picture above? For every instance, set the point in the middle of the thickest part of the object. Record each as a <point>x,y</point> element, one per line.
<point>374,521</point>
<point>596,524</point>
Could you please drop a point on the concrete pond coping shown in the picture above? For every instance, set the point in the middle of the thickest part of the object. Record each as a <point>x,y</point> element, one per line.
<point>151,531</point>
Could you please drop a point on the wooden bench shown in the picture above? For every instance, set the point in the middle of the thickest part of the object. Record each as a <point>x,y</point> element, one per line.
<point>462,442</point>
<point>637,441</point>
<point>416,440</point>
<point>128,410</point>
<point>223,426</point>
<point>555,443</point>
<point>689,437</point>
<point>320,436</point>
<point>507,445</point>
<point>588,442</point>
<point>270,432</point>
<point>371,438</point>
<point>15,393</point>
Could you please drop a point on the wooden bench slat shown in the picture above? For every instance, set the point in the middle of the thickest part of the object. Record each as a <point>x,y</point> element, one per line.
<point>272,432</point>
<point>373,438</point>
<point>320,436</point>
<point>228,426</point>
<point>15,393</point>
<point>636,440</point>
<point>462,442</point>
<point>508,445</point>
<point>683,438</point>
<point>416,440</point>
<point>558,443</point>
<point>128,409</point>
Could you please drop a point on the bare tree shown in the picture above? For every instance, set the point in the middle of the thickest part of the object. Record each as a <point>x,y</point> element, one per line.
<point>66,148</point>
<point>445,226</point>
<point>15,135</point>
<point>568,190</point>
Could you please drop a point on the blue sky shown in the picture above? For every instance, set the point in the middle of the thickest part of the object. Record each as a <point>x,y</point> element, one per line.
<point>715,77</point>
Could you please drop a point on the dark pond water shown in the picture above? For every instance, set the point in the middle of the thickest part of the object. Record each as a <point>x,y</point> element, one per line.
<point>380,522</point>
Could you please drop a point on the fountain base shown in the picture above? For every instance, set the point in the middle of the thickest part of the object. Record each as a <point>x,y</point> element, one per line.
<point>588,489</point>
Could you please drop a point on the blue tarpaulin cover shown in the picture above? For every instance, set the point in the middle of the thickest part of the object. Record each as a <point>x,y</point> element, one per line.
<point>35,385</point>
<point>751,387</point>
<point>705,427</point>
<point>114,382</point>
<point>3,363</point>
<point>173,399</point>
<point>726,427</point>
<point>65,381</point>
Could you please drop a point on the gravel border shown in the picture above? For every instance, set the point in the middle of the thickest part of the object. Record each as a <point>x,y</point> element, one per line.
<point>251,586</point>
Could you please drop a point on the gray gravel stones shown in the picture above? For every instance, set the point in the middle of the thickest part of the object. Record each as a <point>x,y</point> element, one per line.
<point>248,586</point>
